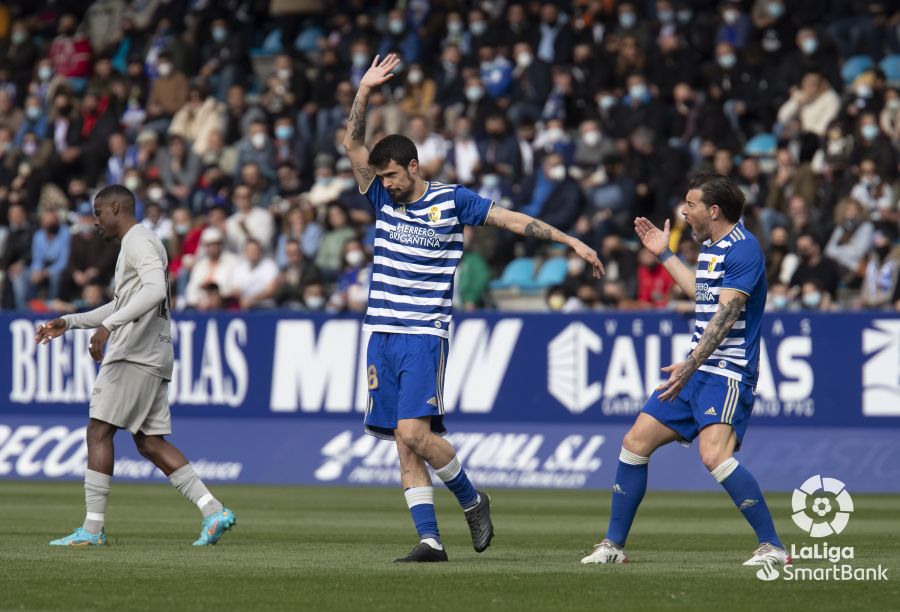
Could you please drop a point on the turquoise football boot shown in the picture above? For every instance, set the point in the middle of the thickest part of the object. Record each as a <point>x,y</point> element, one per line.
<point>80,537</point>
<point>214,526</point>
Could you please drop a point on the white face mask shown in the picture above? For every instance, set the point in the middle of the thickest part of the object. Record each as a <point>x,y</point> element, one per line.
<point>731,16</point>
<point>557,173</point>
<point>555,134</point>
<point>812,300</point>
<point>284,74</point>
<point>592,138</point>
<point>165,69</point>
<point>355,258</point>
<point>474,94</point>
<point>523,60</point>
<point>314,302</point>
<point>415,77</point>
<point>45,72</point>
<point>258,140</point>
<point>156,194</point>
<point>133,183</point>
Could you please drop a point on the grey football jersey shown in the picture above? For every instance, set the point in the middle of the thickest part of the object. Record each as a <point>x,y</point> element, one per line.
<point>140,329</point>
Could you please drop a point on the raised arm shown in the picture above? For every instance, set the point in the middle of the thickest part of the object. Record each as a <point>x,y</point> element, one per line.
<point>524,225</point>
<point>354,138</point>
<point>657,242</point>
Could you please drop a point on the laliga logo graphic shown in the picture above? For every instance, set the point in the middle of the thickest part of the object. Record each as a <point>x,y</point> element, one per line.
<point>821,507</point>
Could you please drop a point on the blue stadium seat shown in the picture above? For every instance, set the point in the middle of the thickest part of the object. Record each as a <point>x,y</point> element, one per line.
<point>855,66</point>
<point>890,65</point>
<point>761,145</point>
<point>551,273</point>
<point>517,273</point>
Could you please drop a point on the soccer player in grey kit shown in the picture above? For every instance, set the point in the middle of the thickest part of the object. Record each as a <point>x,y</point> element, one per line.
<point>131,391</point>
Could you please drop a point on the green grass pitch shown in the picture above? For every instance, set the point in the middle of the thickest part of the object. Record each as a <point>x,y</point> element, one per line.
<point>319,548</point>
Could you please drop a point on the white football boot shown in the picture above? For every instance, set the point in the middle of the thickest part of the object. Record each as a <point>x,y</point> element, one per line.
<point>606,552</point>
<point>768,554</point>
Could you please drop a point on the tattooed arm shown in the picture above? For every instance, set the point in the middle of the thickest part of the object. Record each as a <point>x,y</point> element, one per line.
<point>527,226</point>
<point>731,303</point>
<point>354,138</point>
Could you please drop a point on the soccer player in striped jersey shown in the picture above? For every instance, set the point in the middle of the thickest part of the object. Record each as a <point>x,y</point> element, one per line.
<point>709,395</point>
<point>418,246</point>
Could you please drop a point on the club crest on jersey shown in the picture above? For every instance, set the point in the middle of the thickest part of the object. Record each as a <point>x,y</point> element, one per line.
<point>401,209</point>
<point>712,264</point>
<point>434,213</point>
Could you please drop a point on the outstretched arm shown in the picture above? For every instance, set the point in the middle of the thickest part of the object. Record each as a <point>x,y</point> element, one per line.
<point>657,242</point>
<point>524,225</point>
<point>731,303</point>
<point>354,137</point>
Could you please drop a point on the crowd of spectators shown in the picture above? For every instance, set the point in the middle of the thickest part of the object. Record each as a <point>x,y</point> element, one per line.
<point>225,119</point>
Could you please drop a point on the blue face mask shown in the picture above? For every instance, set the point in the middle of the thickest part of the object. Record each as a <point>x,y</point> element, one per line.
<point>870,131</point>
<point>627,20</point>
<point>775,9</point>
<point>33,112</point>
<point>219,34</point>
<point>284,132</point>
<point>666,16</point>
<point>727,61</point>
<point>638,92</point>
<point>809,46</point>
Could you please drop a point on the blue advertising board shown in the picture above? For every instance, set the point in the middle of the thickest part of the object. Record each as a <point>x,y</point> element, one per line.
<point>287,386</point>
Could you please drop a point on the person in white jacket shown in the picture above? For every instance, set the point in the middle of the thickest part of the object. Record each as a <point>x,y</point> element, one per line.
<point>815,103</point>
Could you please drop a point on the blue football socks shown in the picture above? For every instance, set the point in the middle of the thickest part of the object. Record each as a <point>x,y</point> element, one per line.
<point>628,491</point>
<point>454,476</point>
<point>421,506</point>
<point>747,496</point>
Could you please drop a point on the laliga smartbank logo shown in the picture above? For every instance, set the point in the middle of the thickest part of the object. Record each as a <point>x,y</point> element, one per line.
<point>821,508</point>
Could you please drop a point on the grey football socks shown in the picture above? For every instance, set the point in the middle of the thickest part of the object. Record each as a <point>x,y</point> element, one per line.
<point>96,492</point>
<point>187,482</point>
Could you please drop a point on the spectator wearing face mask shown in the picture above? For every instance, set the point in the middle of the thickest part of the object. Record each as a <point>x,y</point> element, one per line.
<point>257,148</point>
<point>814,267</point>
<point>881,270</point>
<point>168,93</point>
<point>556,198</point>
<point>478,104</point>
<point>531,83</point>
<point>874,194</point>
<point>851,238</point>
<point>779,298</point>
<point>499,148</point>
<point>557,39</point>
<point>352,287</point>
<point>813,296</point>
<point>654,283</point>
<point>216,265</point>
<point>872,143</point>
<point>400,37</point>
<point>419,92</point>
<point>223,57</point>
<point>297,273</point>
<point>463,155</point>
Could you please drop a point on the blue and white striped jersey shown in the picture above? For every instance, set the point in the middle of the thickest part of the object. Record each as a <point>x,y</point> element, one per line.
<point>734,262</point>
<point>418,246</point>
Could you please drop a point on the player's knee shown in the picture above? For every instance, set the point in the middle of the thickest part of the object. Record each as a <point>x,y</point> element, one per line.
<point>145,446</point>
<point>97,433</point>
<point>413,436</point>
<point>633,442</point>
<point>713,457</point>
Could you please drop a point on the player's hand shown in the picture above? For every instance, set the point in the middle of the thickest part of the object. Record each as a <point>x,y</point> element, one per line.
<point>98,343</point>
<point>47,331</point>
<point>681,372</point>
<point>380,72</point>
<point>590,256</point>
<point>655,240</point>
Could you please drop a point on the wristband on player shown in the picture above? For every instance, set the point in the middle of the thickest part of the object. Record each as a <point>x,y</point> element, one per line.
<point>666,255</point>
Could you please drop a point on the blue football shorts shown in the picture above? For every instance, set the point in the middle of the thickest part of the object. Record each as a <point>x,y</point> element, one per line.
<point>706,399</point>
<point>405,373</point>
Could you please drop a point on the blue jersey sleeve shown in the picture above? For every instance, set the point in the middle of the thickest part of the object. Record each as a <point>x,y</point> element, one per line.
<point>471,208</point>
<point>744,264</point>
<point>377,194</point>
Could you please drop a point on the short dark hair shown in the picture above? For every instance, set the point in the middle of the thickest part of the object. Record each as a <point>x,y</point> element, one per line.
<point>721,191</point>
<point>119,193</point>
<point>394,147</point>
